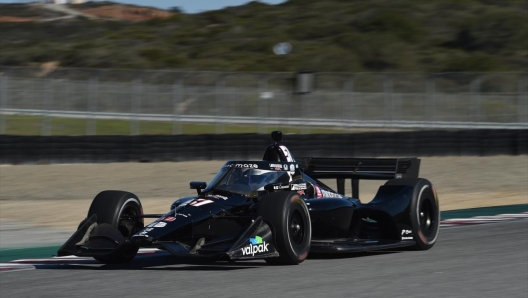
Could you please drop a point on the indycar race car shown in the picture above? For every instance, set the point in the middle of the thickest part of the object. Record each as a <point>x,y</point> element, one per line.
<point>276,209</point>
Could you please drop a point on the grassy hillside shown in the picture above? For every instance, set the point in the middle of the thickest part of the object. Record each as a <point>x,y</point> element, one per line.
<point>332,35</point>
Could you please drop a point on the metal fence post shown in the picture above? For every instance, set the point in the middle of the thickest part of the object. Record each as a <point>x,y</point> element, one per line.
<point>475,99</point>
<point>522,101</point>
<point>47,103</point>
<point>262,104</point>
<point>4,80</point>
<point>135,106</point>
<point>387,90</point>
<point>430,104</point>
<point>177,98</point>
<point>347,101</point>
<point>91,106</point>
<point>220,87</point>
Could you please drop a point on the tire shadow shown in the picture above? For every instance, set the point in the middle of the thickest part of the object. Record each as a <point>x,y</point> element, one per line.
<point>349,255</point>
<point>157,262</point>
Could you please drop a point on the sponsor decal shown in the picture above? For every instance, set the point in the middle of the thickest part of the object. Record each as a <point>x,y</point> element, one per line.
<point>299,186</point>
<point>169,218</point>
<point>285,167</point>
<point>256,246</point>
<point>160,224</point>
<point>200,202</point>
<point>275,165</point>
<point>220,197</point>
<point>405,235</point>
<point>329,194</point>
<point>145,231</point>
<point>242,165</point>
<point>181,214</point>
<point>157,224</point>
<point>292,168</point>
<point>281,187</point>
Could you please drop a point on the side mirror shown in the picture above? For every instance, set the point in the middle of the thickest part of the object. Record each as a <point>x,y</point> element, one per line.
<point>198,186</point>
<point>276,186</point>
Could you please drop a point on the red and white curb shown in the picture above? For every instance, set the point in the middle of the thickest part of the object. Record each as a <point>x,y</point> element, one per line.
<point>8,267</point>
<point>482,219</point>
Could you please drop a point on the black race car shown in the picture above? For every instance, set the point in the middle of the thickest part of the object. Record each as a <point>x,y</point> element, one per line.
<point>276,209</point>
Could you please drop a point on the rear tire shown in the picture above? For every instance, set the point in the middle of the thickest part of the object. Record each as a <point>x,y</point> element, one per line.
<point>425,211</point>
<point>289,218</point>
<point>110,206</point>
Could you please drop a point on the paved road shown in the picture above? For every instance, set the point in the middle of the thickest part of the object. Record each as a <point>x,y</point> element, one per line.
<point>19,235</point>
<point>489,260</point>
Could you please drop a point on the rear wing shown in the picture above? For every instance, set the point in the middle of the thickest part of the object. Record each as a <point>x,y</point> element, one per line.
<point>359,168</point>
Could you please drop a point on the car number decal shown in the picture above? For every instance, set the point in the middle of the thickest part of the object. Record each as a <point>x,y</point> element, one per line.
<point>200,202</point>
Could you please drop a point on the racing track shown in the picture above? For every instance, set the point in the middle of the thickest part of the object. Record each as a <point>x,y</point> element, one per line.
<point>488,260</point>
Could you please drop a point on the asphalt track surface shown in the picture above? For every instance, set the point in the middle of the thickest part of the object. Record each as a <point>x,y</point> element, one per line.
<point>487,260</point>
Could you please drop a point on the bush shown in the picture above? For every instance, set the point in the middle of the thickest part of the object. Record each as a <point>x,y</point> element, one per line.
<point>152,54</point>
<point>472,62</point>
<point>333,35</point>
<point>404,27</point>
<point>313,30</point>
<point>174,61</point>
<point>381,52</point>
<point>492,32</point>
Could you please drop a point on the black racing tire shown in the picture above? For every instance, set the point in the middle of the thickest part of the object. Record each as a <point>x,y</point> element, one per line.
<point>289,218</point>
<point>424,211</point>
<point>110,206</point>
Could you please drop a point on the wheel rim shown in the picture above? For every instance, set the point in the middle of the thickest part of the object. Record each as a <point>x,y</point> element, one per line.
<point>296,227</point>
<point>427,218</point>
<point>127,226</point>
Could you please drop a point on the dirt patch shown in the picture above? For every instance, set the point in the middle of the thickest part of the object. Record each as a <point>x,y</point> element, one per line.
<point>59,195</point>
<point>128,13</point>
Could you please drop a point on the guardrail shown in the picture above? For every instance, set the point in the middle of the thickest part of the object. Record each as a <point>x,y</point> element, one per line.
<point>313,122</point>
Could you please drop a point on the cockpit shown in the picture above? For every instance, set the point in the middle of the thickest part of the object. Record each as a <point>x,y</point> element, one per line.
<point>246,180</point>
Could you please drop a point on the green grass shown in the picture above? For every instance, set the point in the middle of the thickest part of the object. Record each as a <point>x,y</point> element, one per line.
<point>32,126</point>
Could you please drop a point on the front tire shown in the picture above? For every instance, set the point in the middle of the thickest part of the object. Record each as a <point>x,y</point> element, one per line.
<point>110,206</point>
<point>288,215</point>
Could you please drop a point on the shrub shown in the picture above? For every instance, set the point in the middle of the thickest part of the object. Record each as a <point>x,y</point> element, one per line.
<point>152,54</point>
<point>471,62</point>
<point>401,26</point>
<point>492,32</point>
<point>174,61</point>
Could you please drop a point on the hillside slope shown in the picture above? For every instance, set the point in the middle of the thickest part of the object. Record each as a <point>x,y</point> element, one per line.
<point>332,35</point>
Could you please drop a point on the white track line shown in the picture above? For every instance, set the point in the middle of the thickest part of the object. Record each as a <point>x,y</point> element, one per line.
<point>482,219</point>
